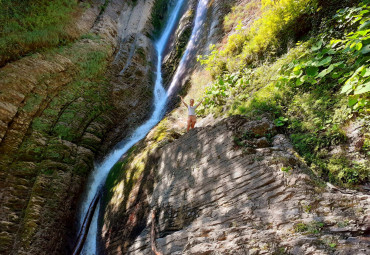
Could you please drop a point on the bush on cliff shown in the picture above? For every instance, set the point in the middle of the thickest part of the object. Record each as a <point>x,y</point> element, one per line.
<point>271,33</point>
<point>314,91</point>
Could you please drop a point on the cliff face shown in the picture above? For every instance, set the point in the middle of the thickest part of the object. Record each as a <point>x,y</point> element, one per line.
<point>179,41</point>
<point>56,110</point>
<point>233,187</point>
<point>132,70</point>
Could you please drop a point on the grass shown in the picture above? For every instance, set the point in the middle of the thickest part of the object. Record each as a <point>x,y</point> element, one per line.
<point>270,34</point>
<point>27,26</point>
<point>310,228</point>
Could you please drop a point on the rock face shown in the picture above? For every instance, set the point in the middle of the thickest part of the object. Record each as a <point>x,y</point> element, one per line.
<point>236,187</point>
<point>132,70</point>
<point>56,111</point>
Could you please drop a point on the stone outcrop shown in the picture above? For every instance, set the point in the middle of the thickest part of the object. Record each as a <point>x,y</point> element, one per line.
<point>234,187</point>
<point>50,129</point>
<point>56,110</point>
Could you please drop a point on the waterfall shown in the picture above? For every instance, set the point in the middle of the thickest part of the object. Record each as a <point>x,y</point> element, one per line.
<point>192,45</point>
<point>101,171</point>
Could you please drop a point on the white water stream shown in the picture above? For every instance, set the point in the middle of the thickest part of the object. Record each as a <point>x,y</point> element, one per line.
<point>192,45</point>
<point>101,170</point>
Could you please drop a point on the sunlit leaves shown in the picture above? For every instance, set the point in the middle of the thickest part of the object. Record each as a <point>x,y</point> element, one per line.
<point>362,89</point>
<point>325,61</point>
<point>365,50</point>
<point>317,46</point>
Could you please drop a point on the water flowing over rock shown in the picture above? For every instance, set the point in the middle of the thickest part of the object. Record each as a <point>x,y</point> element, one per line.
<point>215,190</point>
<point>55,118</point>
<point>233,186</point>
<point>191,40</point>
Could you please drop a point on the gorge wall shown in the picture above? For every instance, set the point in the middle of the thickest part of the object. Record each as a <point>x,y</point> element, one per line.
<point>60,109</point>
<point>233,186</point>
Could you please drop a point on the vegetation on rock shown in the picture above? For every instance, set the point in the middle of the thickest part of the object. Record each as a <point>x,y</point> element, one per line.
<point>315,91</point>
<point>27,26</point>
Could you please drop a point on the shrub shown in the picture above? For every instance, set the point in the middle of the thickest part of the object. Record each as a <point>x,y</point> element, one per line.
<point>311,92</point>
<point>269,32</point>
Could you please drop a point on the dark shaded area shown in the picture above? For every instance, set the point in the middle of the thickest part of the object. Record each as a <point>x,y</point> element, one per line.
<point>134,217</point>
<point>86,225</point>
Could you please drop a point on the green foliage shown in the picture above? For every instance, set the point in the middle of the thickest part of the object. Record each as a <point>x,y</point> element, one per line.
<point>310,228</point>
<point>344,171</point>
<point>286,169</point>
<point>104,6</point>
<point>268,33</point>
<point>332,245</point>
<point>336,169</point>
<point>29,25</point>
<point>280,121</point>
<point>311,92</point>
<point>344,60</point>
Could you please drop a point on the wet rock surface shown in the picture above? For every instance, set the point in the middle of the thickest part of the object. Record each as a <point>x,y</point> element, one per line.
<point>56,110</point>
<point>178,44</point>
<point>132,71</point>
<point>214,195</point>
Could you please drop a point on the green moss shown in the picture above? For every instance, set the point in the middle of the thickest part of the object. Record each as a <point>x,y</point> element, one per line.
<point>104,6</point>
<point>161,131</point>
<point>40,125</point>
<point>114,174</point>
<point>28,26</point>
<point>32,103</point>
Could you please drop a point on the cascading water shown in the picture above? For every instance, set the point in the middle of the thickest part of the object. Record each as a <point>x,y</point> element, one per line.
<point>101,171</point>
<point>192,45</point>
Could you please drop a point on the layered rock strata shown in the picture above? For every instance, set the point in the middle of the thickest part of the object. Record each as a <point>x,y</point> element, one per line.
<point>236,187</point>
<point>56,110</point>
